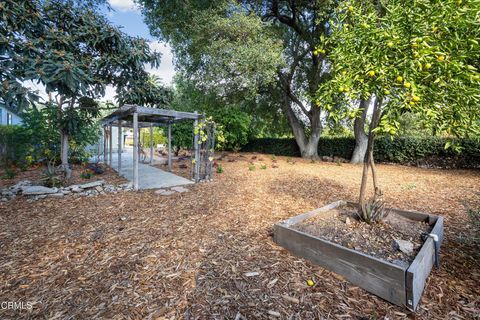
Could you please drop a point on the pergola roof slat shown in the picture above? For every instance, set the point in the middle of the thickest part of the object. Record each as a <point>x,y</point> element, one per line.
<point>149,115</point>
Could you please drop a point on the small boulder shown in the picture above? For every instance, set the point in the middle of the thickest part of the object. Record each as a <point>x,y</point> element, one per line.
<point>92,184</point>
<point>403,245</point>
<point>179,189</point>
<point>36,190</point>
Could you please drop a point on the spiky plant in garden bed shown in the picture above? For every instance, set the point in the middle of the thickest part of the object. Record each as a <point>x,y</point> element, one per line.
<point>51,176</point>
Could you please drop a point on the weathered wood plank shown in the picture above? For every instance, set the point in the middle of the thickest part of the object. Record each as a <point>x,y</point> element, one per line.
<point>379,277</point>
<point>420,268</point>
<point>313,213</point>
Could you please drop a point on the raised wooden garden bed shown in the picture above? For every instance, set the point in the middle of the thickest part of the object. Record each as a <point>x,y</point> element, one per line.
<point>400,284</point>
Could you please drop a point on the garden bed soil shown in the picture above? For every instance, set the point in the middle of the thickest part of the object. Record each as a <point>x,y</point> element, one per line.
<point>342,226</point>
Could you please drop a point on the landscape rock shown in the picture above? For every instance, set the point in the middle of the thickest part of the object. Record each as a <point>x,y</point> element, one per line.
<point>166,193</point>
<point>36,190</point>
<point>92,184</point>
<point>403,245</point>
<point>56,195</point>
<point>348,221</point>
<point>160,191</point>
<point>179,189</point>
<point>76,189</point>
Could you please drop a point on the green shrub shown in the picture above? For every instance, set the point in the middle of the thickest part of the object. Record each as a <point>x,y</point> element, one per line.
<point>86,174</point>
<point>219,169</point>
<point>8,174</point>
<point>51,178</point>
<point>263,166</point>
<point>403,150</point>
<point>251,167</point>
<point>15,145</point>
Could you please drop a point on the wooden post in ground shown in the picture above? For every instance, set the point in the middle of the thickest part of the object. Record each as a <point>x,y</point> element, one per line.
<point>110,146</point>
<point>135,151</point>
<point>151,144</point>
<point>119,146</point>
<point>169,146</point>
<point>104,145</point>
<point>197,151</point>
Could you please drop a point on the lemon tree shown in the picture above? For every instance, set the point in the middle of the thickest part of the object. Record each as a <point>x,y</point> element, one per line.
<point>417,56</point>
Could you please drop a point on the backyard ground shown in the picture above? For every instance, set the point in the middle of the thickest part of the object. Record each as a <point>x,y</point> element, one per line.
<point>209,254</point>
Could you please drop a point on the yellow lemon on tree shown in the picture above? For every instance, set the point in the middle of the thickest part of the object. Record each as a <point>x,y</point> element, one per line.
<point>416,98</point>
<point>386,92</point>
<point>441,58</point>
<point>400,79</point>
<point>310,283</point>
<point>428,65</point>
<point>407,85</point>
<point>350,8</point>
<point>371,73</point>
<point>390,44</point>
<point>412,103</point>
<point>340,89</point>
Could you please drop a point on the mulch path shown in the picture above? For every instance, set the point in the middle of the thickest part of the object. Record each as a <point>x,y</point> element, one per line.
<point>209,254</point>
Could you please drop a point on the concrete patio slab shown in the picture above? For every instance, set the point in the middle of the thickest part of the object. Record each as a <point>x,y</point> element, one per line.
<point>148,177</point>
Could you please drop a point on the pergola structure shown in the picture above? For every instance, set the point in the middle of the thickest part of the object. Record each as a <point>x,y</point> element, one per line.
<point>136,117</point>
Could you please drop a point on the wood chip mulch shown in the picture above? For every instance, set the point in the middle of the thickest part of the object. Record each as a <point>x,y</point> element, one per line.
<point>209,254</point>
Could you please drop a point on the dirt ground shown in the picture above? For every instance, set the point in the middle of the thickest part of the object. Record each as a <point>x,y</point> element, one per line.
<point>209,254</point>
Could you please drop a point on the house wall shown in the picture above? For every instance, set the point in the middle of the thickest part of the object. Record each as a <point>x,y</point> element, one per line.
<point>16,120</point>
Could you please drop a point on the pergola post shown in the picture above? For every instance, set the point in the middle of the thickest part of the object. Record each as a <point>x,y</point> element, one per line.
<point>196,148</point>
<point>151,144</point>
<point>169,146</point>
<point>104,145</point>
<point>119,146</point>
<point>135,150</point>
<point>110,137</point>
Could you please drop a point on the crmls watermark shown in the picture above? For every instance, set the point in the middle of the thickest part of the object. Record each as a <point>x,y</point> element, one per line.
<point>16,305</point>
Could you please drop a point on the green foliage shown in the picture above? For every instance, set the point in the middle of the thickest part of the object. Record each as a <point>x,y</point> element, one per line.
<point>404,150</point>
<point>40,123</point>
<point>373,210</point>
<point>15,145</point>
<point>251,167</point>
<point>51,178</point>
<point>420,57</point>
<point>158,137</point>
<point>263,167</point>
<point>8,174</point>
<point>86,174</point>
<point>220,169</point>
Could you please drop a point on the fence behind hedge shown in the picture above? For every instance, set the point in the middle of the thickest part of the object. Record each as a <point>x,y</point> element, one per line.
<point>403,150</point>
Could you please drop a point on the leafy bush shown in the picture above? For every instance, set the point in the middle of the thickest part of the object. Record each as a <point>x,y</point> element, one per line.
<point>15,145</point>
<point>404,150</point>
<point>220,169</point>
<point>8,174</point>
<point>251,167</point>
<point>51,178</point>
<point>86,174</point>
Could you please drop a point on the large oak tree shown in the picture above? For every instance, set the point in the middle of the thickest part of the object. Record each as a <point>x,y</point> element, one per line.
<point>244,46</point>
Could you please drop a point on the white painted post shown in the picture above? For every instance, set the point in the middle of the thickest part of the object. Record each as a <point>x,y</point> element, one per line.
<point>119,147</point>
<point>110,146</point>
<point>104,145</point>
<point>135,150</point>
<point>169,146</point>
<point>151,144</point>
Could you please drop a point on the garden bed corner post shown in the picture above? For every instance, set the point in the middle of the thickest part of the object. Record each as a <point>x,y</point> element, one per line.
<point>196,148</point>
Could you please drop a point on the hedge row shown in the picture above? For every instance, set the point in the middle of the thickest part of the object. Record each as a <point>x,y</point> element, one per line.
<point>404,150</point>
